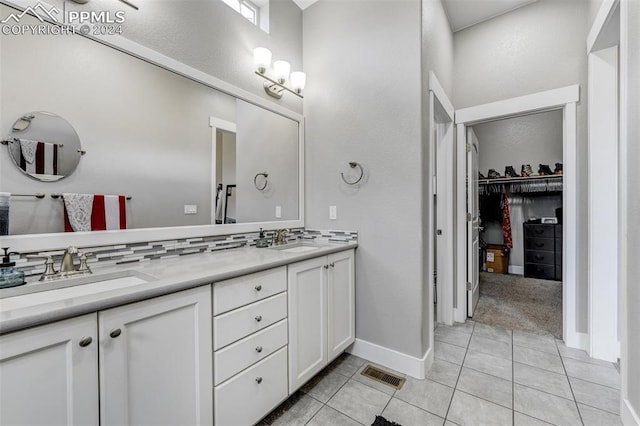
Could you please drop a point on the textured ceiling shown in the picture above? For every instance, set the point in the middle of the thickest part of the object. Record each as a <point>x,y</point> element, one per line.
<point>465,13</point>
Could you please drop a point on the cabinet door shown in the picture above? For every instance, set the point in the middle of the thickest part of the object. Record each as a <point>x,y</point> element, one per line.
<point>307,320</point>
<point>49,374</point>
<point>341,306</point>
<point>156,361</point>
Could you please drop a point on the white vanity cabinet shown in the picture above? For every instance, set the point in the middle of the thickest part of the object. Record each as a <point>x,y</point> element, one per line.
<point>155,361</point>
<point>49,374</point>
<point>250,344</point>
<point>321,313</point>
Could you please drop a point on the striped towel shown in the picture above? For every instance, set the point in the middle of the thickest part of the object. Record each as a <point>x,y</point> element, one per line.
<point>40,158</point>
<point>94,212</point>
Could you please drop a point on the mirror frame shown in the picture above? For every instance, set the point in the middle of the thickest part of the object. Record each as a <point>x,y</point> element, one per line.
<point>52,241</point>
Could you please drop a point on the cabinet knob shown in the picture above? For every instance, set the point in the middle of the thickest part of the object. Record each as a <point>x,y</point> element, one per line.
<point>332,264</point>
<point>258,349</point>
<point>115,332</point>
<point>85,341</point>
<point>258,318</point>
<point>258,287</point>
<point>258,380</point>
<point>326,266</point>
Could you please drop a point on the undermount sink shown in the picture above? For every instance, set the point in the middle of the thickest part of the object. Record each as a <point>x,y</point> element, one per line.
<point>71,287</point>
<point>298,247</point>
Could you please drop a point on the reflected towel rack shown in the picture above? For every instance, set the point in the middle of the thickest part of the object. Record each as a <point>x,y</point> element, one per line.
<point>14,140</point>
<point>57,195</point>
<point>38,195</point>
<point>353,165</point>
<point>266,181</point>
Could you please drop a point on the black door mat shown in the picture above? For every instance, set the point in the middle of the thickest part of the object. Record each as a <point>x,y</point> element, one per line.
<point>381,421</point>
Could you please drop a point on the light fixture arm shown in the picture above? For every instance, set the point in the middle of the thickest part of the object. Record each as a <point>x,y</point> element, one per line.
<point>277,93</point>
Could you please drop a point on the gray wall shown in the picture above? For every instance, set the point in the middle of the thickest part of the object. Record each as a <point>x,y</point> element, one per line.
<point>363,104</point>
<point>494,62</point>
<point>632,240</point>
<point>182,30</point>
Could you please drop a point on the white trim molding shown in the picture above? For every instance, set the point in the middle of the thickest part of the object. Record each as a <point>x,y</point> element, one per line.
<point>628,415</point>
<point>407,364</point>
<point>603,18</point>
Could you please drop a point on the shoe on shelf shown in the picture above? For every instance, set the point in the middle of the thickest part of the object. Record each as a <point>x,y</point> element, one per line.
<point>481,176</point>
<point>558,169</point>
<point>526,170</point>
<point>544,170</point>
<point>493,174</point>
<point>509,172</point>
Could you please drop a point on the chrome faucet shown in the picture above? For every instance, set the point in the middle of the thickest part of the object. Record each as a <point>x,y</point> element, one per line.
<point>67,264</point>
<point>280,236</point>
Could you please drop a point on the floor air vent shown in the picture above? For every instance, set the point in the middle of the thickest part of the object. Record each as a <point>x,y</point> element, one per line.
<point>382,376</point>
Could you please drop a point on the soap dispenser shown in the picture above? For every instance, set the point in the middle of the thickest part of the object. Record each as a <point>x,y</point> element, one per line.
<point>262,241</point>
<point>9,276</point>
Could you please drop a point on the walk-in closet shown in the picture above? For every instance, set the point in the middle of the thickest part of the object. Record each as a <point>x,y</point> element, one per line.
<point>520,201</point>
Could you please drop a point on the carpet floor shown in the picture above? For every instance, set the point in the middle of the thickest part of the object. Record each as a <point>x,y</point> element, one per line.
<point>527,304</point>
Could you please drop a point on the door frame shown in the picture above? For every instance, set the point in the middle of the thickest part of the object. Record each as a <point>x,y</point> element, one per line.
<point>445,293</point>
<point>565,99</point>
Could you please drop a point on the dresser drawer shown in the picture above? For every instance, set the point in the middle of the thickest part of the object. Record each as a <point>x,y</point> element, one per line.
<point>249,396</point>
<point>542,257</point>
<point>558,273</point>
<point>240,355</point>
<point>545,272</point>
<point>236,292</point>
<point>536,230</point>
<point>542,244</point>
<point>239,323</point>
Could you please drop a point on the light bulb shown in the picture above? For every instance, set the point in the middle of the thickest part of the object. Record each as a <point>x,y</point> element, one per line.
<point>281,70</point>
<point>262,58</point>
<point>298,81</point>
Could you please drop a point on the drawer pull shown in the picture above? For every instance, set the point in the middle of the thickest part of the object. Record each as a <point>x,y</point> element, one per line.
<point>115,333</point>
<point>85,341</point>
<point>540,245</point>
<point>326,266</point>
<point>332,264</point>
<point>258,318</point>
<point>258,349</point>
<point>258,287</point>
<point>539,231</point>
<point>258,380</point>
<point>538,257</point>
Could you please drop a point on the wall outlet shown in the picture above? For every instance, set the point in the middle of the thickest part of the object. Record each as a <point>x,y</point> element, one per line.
<point>190,209</point>
<point>333,212</point>
<point>278,211</point>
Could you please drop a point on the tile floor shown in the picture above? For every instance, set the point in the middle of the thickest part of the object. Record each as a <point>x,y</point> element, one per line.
<point>481,375</point>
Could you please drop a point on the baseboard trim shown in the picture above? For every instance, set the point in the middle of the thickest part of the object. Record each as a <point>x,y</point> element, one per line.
<point>407,364</point>
<point>516,270</point>
<point>577,340</point>
<point>628,415</point>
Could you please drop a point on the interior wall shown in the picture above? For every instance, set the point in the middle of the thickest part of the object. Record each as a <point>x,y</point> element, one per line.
<point>181,29</point>
<point>161,157</point>
<point>363,103</point>
<point>493,62</point>
<point>631,365</point>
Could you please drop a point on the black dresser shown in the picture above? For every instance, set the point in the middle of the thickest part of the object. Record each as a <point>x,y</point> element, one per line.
<point>543,251</point>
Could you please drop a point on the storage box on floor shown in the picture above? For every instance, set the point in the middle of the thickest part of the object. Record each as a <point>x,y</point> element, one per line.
<point>497,259</point>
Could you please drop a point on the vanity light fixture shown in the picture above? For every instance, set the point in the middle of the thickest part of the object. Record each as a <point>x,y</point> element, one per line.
<point>282,72</point>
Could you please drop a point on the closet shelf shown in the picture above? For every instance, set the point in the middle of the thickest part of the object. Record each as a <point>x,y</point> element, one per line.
<point>521,185</point>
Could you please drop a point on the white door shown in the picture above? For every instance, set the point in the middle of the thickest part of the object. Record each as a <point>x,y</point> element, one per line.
<point>341,304</point>
<point>155,361</point>
<point>307,320</point>
<point>49,374</point>
<point>473,224</point>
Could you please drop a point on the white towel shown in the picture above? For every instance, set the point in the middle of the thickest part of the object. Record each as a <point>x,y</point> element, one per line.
<point>79,208</point>
<point>28,149</point>
<point>112,211</point>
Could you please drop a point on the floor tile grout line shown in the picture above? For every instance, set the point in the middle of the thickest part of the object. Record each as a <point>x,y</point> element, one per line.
<point>460,372</point>
<point>570,387</point>
<point>418,407</point>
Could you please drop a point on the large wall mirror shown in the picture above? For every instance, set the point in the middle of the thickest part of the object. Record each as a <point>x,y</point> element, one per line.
<point>148,134</point>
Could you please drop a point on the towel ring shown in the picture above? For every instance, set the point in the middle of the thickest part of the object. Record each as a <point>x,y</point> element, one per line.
<point>266,181</point>
<point>353,165</point>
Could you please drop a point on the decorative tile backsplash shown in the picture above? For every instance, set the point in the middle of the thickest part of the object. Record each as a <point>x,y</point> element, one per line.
<point>148,251</point>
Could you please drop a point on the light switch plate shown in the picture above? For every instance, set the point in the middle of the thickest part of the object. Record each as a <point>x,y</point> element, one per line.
<point>278,211</point>
<point>190,209</point>
<point>333,212</point>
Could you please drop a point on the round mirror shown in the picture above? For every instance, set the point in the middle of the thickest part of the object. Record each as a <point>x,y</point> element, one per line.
<point>44,146</point>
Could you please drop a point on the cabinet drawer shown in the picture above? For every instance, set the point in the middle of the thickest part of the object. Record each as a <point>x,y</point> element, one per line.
<point>542,257</point>
<point>235,358</point>
<point>539,230</point>
<point>545,272</point>
<point>249,396</point>
<point>543,244</point>
<point>234,325</point>
<point>236,292</point>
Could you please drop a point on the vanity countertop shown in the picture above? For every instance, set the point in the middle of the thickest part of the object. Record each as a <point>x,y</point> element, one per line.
<point>169,275</point>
